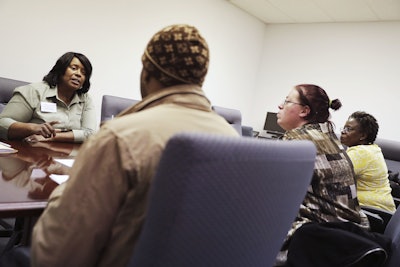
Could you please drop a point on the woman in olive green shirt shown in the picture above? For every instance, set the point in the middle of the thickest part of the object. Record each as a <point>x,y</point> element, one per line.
<point>56,109</point>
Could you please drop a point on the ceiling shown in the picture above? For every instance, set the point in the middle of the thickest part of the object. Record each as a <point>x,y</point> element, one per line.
<point>320,11</point>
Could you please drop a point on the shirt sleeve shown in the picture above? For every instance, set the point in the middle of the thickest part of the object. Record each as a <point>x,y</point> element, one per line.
<point>358,158</point>
<point>19,108</point>
<point>88,122</point>
<point>75,226</point>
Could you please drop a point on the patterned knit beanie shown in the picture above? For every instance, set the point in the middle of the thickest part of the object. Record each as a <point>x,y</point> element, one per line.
<point>177,54</point>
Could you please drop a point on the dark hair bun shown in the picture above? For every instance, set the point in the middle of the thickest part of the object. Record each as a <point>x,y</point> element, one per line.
<point>336,104</point>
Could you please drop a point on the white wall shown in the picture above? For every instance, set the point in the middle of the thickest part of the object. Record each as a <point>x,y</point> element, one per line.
<point>355,62</point>
<point>252,66</point>
<point>113,35</point>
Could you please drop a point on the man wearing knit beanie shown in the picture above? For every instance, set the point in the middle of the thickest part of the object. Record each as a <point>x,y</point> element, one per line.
<point>177,54</point>
<point>95,218</point>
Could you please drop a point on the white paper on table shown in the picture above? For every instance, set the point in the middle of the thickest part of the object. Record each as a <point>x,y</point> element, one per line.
<point>59,178</point>
<point>66,162</point>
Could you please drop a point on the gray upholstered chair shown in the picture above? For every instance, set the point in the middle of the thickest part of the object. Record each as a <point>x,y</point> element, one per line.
<point>391,152</point>
<point>112,105</point>
<point>247,131</point>
<point>7,87</point>
<point>393,231</point>
<point>232,116</point>
<point>217,201</point>
<point>384,216</point>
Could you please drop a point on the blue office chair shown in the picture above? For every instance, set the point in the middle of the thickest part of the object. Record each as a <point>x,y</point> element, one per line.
<point>232,116</point>
<point>112,105</point>
<point>217,201</point>
<point>373,212</point>
<point>7,87</point>
<point>247,131</point>
<point>392,231</point>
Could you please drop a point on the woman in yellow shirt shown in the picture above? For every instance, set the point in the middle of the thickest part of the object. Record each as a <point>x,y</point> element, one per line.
<point>373,188</point>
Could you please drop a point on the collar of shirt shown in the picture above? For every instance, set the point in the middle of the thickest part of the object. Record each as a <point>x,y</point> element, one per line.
<point>52,93</point>
<point>186,95</point>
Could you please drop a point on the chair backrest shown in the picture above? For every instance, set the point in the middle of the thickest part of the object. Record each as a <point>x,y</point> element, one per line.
<point>112,105</point>
<point>232,116</point>
<point>223,201</point>
<point>393,231</point>
<point>7,87</point>
<point>391,152</point>
<point>247,131</point>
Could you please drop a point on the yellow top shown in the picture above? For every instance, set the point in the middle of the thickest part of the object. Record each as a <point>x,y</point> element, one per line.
<point>373,187</point>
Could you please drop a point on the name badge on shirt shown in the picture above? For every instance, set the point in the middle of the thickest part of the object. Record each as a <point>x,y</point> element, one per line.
<point>48,107</point>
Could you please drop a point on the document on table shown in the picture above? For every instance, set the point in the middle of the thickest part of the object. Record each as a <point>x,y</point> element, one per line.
<point>61,178</point>
<point>66,162</point>
<point>6,149</point>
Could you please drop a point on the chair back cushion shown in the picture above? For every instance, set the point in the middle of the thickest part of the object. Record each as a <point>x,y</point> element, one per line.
<point>393,231</point>
<point>7,87</point>
<point>232,116</point>
<point>223,201</point>
<point>112,105</point>
<point>391,152</point>
<point>247,131</point>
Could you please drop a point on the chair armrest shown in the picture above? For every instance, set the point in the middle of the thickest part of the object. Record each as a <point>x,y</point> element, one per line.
<point>384,214</point>
<point>375,221</point>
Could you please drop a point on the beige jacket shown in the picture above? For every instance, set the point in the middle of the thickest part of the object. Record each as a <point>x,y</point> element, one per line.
<point>94,219</point>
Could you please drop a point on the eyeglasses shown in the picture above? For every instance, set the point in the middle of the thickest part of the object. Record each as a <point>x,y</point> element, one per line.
<point>287,101</point>
<point>346,129</point>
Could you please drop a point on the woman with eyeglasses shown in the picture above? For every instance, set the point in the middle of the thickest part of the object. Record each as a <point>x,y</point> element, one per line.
<point>373,187</point>
<point>331,200</point>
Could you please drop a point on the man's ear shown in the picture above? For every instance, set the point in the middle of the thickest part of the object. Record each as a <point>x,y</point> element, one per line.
<point>305,111</point>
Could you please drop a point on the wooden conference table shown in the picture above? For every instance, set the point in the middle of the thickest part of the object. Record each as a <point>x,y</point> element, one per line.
<point>25,182</point>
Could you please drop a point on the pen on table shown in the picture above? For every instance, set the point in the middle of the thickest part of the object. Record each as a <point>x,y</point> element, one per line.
<point>5,144</point>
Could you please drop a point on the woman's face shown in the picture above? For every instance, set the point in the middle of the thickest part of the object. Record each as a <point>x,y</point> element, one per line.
<point>74,75</point>
<point>351,134</point>
<point>292,112</point>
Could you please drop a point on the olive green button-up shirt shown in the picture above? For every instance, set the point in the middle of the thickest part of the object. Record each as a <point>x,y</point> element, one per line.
<point>28,104</point>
